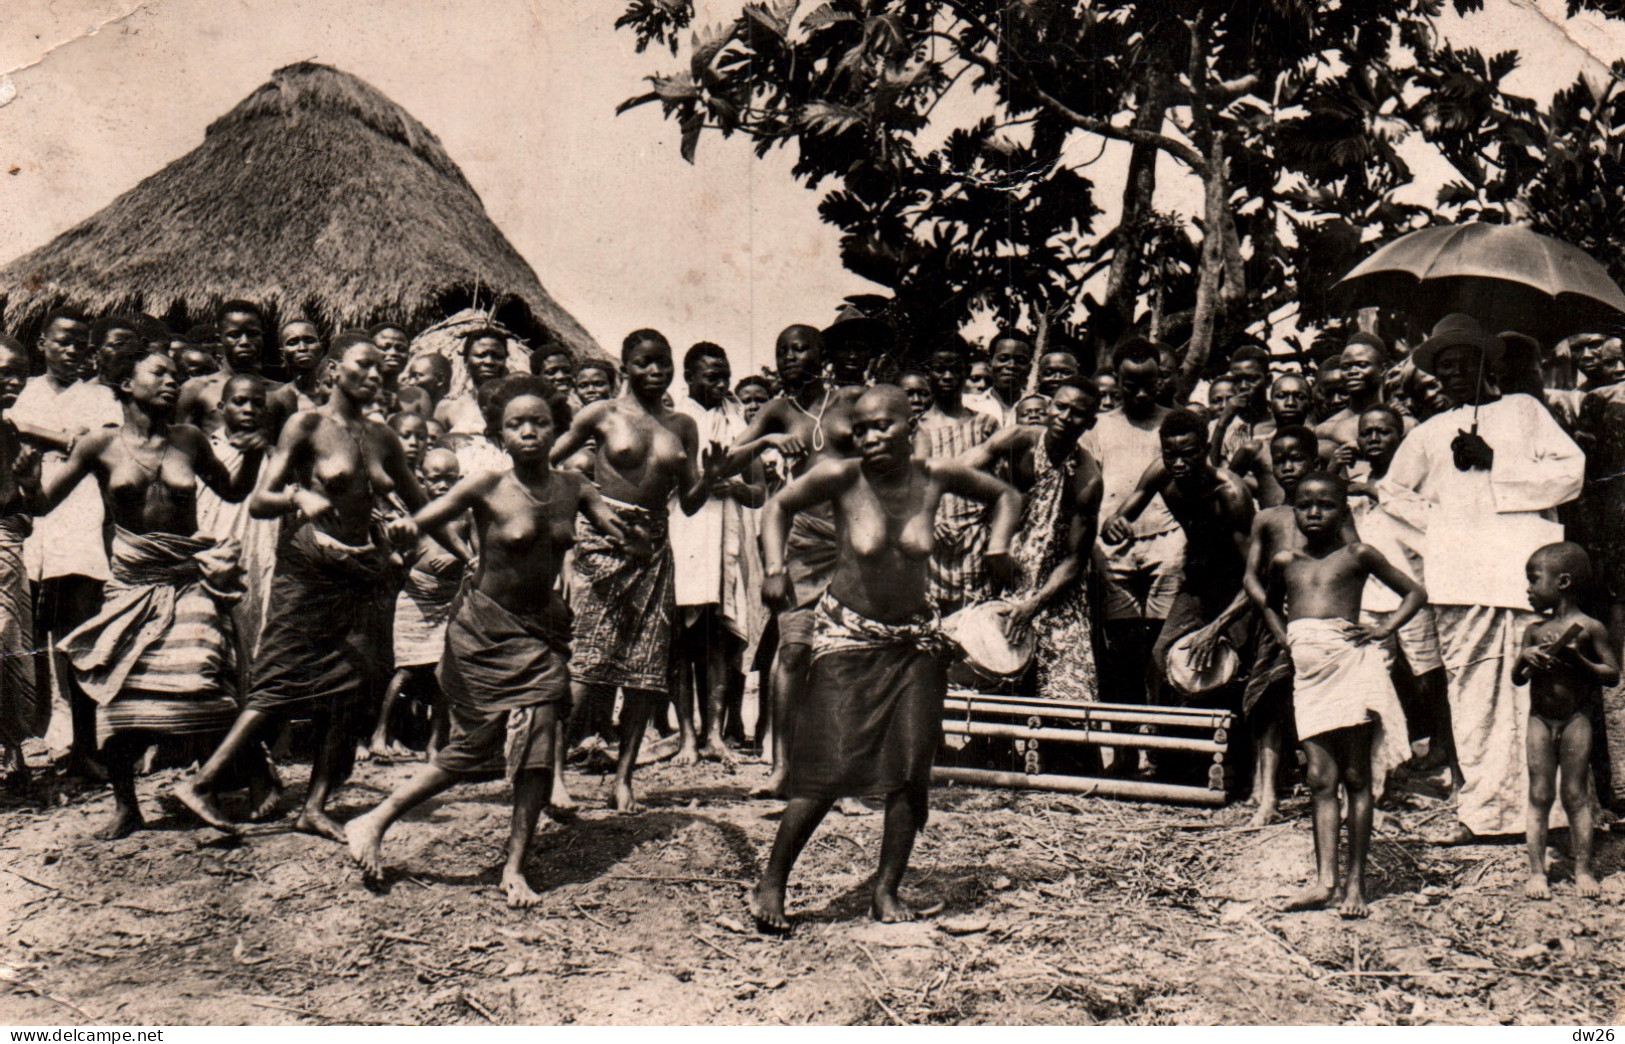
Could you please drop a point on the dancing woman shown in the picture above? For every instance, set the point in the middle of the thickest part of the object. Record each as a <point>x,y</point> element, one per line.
<point>504,669</point>
<point>319,651</point>
<point>870,718</point>
<point>157,659</point>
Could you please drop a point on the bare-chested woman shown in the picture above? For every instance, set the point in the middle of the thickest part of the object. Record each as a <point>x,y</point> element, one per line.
<point>505,668</point>
<point>870,717</point>
<point>624,599</point>
<point>319,651</point>
<point>156,659</point>
<point>809,423</point>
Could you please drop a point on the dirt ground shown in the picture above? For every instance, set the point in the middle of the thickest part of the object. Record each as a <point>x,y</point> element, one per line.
<point>1054,910</point>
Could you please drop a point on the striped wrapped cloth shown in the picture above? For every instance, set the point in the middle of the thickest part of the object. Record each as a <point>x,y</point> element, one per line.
<point>158,656</point>
<point>424,606</point>
<point>23,713</point>
<point>624,608</point>
<point>957,576</point>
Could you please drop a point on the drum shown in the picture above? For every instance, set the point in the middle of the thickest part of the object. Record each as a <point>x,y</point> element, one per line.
<point>979,631</point>
<point>1221,671</point>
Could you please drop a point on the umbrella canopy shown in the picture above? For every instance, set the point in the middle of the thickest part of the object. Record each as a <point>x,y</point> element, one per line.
<point>1506,277</point>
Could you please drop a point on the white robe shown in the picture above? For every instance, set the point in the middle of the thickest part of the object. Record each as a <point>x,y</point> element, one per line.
<point>68,541</point>
<point>1479,530</point>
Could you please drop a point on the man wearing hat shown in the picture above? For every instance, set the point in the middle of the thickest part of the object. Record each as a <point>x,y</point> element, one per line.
<point>1482,481</point>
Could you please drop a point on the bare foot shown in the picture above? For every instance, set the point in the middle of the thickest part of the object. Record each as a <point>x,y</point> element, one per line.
<point>1351,906</point>
<point>268,807</point>
<point>623,801</point>
<point>1267,813</point>
<point>321,825</point>
<point>518,890</point>
<point>364,753</point>
<point>1586,886</point>
<point>686,755</point>
<point>561,798</point>
<point>1315,897</point>
<point>364,836</point>
<point>123,823</point>
<point>716,750</point>
<point>397,749</point>
<point>772,787</point>
<point>202,806</point>
<point>767,906</point>
<point>853,807</point>
<point>889,908</point>
<point>1537,887</point>
<point>1461,836</point>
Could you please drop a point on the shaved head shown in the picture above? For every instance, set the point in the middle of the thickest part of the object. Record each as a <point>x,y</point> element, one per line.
<point>799,333</point>
<point>883,399</point>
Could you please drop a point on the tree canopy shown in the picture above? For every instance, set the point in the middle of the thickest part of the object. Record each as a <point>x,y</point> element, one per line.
<point>952,142</point>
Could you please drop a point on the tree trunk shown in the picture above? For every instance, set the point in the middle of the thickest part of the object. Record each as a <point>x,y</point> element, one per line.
<point>1139,192</point>
<point>1210,280</point>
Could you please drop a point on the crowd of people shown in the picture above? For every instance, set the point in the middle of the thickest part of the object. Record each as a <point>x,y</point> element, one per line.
<point>1399,560</point>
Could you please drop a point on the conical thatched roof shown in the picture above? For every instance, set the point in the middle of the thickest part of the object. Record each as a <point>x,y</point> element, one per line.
<point>315,195</point>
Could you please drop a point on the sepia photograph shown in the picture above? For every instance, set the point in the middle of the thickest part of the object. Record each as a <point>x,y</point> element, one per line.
<point>612,513</point>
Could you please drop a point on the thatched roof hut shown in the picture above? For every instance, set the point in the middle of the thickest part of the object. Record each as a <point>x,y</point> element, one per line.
<point>315,195</point>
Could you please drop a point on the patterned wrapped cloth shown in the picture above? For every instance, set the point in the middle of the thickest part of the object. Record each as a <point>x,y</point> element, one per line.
<point>159,655</point>
<point>625,608</point>
<point>1340,681</point>
<point>870,720</point>
<point>809,562</point>
<point>957,576</point>
<point>23,713</point>
<point>323,639</point>
<point>424,607</point>
<point>1065,650</point>
<point>256,538</point>
<point>498,668</point>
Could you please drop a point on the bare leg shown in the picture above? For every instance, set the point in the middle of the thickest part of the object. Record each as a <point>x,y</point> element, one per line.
<point>118,757</point>
<point>688,751</point>
<point>380,746</point>
<point>439,719</point>
<point>530,789</point>
<point>1541,744</point>
<point>906,812</point>
<point>1323,778</point>
<point>1355,745</point>
<point>365,833</point>
<point>1266,771</point>
<point>634,719</point>
<point>1576,755</point>
<point>789,678</point>
<point>265,790</point>
<point>313,818</point>
<point>197,793</point>
<point>721,665</point>
<point>766,901</point>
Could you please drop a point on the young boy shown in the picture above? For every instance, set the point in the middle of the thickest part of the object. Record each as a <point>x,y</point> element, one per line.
<point>1419,670</point>
<point>423,609</point>
<point>1267,700</point>
<point>1033,410</point>
<point>414,434</point>
<point>1347,713</point>
<point>1566,657</point>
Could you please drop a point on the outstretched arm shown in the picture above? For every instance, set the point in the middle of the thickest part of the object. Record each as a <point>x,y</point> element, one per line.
<point>988,454</point>
<point>1152,482</point>
<point>232,488</point>
<point>582,430</point>
<point>80,463</point>
<point>819,485</point>
<point>968,482</point>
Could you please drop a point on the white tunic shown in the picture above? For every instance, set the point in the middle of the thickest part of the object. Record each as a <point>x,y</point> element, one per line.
<point>1481,527</point>
<point>68,541</point>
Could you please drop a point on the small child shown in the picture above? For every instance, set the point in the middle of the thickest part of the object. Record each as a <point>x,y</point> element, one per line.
<point>414,434</point>
<point>917,386</point>
<point>196,361</point>
<point>1566,657</point>
<point>1034,409</point>
<point>422,611</point>
<point>1347,713</point>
